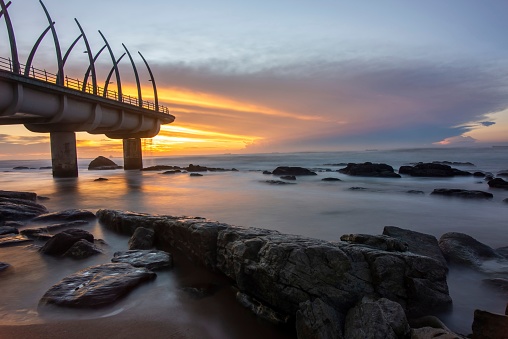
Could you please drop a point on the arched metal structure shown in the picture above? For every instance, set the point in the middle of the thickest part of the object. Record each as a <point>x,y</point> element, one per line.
<point>34,49</point>
<point>59,59</point>
<point>115,67</point>
<point>91,60</point>
<point>108,78</point>
<point>152,79</point>
<point>12,39</point>
<point>138,85</point>
<point>91,68</point>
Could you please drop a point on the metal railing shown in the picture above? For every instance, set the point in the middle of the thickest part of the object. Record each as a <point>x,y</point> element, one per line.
<point>6,64</point>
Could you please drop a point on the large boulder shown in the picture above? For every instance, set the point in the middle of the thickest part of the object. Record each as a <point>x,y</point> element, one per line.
<point>288,170</point>
<point>103,163</point>
<point>498,183</point>
<point>151,259</point>
<point>432,170</point>
<point>460,193</point>
<point>63,241</point>
<point>419,243</point>
<point>488,325</point>
<point>369,169</point>
<point>82,249</point>
<point>66,215</point>
<point>142,239</point>
<point>318,320</point>
<point>380,319</point>
<point>97,285</point>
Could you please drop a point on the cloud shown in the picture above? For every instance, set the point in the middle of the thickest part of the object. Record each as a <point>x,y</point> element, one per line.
<point>460,141</point>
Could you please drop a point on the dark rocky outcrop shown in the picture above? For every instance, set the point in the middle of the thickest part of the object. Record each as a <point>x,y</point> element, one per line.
<point>498,183</point>
<point>419,243</point>
<point>30,196</point>
<point>172,172</point>
<point>82,249</point>
<point>16,209</point>
<point>43,232</point>
<point>330,179</point>
<point>479,174</point>
<point>432,170</point>
<point>67,215</point>
<point>103,163</point>
<point>97,285</point>
<point>454,163</point>
<point>63,241</point>
<point>101,179</point>
<point>150,259</point>
<point>415,192</point>
<point>259,309</point>
<point>460,193</point>
<point>503,251</point>
<point>381,242</point>
<point>369,169</point>
<point>503,174</point>
<point>288,170</point>
<point>267,172</point>
<point>8,230</point>
<point>37,233</point>
<point>488,325</point>
<point>316,319</point>
<point>142,239</point>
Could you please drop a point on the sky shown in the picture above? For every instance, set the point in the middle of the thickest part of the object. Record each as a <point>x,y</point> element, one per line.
<point>288,75</point>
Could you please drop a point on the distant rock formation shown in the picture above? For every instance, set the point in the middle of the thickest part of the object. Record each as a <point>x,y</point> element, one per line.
<point>369,169</point>
<point>432,170</point>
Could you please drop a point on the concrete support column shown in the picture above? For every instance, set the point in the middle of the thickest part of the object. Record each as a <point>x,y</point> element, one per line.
<point>132,154</point>
<point>64,157</point>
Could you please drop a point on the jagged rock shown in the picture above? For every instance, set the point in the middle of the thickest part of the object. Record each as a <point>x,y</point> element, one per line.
<point>279,182</point>
<point>381,242</point>
<point>8,230</point>
<point>150,259</point>
<point>97,285</point>
<point>142,239</point>
<point>331,179</point>
<point>369,169</point>
<point>63,241</point>
<point>419,243</point>
<point>4,266</point>
<point>103,163</point>
<point>67,215</point>
<point>262,311</point>
<point>82,249</point>
<point>381,319</point>
<point>288,170</point>
<point>462,249</point>
<point>201,291</point>
<point>460,193</point>
<point>432,170</point>
<point>318,320</point>
<point>19,209</point>
<point>9,240</point>
<point>488,325</point>
<point>288,177</point>
<point>498,183</point>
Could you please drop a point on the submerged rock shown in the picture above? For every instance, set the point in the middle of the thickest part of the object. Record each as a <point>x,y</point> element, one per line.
<point>288,177</point>
<point>288,170</point>
<point>160,168</point>
<point>330,179</point>
<point>97,285</point>
<point>460,193</point>
<point>369,169</point>
<point>200,291</point>
<point>63,241</point>
<point>279,182</point>
<point>150,259</point>
<point>66,215</point>
<point>260,310</point>
<point>30,196</point>
<point>4,266</point>
<point>103,163</point>
<point>498,183</point>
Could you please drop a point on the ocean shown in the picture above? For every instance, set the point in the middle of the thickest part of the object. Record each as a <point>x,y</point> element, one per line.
<point>309,207</point>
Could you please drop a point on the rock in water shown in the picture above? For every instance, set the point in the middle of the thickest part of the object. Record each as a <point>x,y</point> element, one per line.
<point>63,241</point>
<point>432,170</point>
<point>460,193</point>
<point>19,195</point>
<point>82,249</point>
<point>97,285</point>
<point>142,239</point>
<point>151,259</point>
<point>369,169</point>
<point>102,163</point>
<point>498,183</point>
<point>19,209</point>
<point>67,215</point>
<point>287,170</point>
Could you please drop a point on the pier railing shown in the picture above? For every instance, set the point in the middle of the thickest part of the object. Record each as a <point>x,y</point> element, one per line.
<point>76,84</point>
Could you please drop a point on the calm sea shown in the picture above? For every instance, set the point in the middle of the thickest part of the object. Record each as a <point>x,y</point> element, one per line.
<point>310,207</point>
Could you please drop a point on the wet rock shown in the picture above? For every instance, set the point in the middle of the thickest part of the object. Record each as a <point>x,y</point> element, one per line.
<point>288,170</point>
<point>330,179</point>
<point>172,172</point>
<point>432,170</point>
<point>63,241</point>
<point>36,233</point>
<point>8,230</point>
<point>16,209</point>
<point>318,320</point>
<point>82,249</point>
<point>9,240</point>
<point>4,266</point>
<point>18,195</point>
<point>201,291</point>
<point>160,168</point>
<point>103,163</point>
<point>43,232</point>
<point>419,243</point>
<point>101,179</point>
<point>430,333</point>
<point>196,175</point>
<point>279,182</point>
<point>415,192</point>
<point>288,177</point>
<point>67,215</point>
<point>454,163</point>
<point>97,285</point>
<point>126,222</point>
<point>488,325</point>
<point>150,259</point>
<point>460,193</point>
<point>142,239</point>
<point>356,188</point>
<point>462,249</point>
<point>262,311</point>
<point>369,169</point>
<point>381,242</point>
<point>267,172</point>
<point>479,174</point>
<point>381,319</point>
<point>196,168</point>
<point>22,168</point>
<point>498,183</point>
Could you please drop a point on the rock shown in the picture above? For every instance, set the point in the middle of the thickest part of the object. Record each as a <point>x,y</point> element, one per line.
<point>63,241</point>
<point>356,188</point>
<point>505,200</point>
<point>97,285</point>
<point>462,249</point>
<point>15,209</point>
<point>288,177</point>
<point>103,163</point>
<point>503,174</point>
<point>150,259</point>
<point>498,183</point>
<point>415,192</point>
<point>460,193</point>
<point>369,169</point>
<point>126,222</point>
<point>160,168</point>
<point>419,243</point>
<point>454,163</point>
<point>21,168</point>
<point>279,182</point>
<point>8,230</point>
<point>381,242</point>
<point>500,283</point>
<point>142,239</point>
<point>9,240</point>
<point>196,175</point>
<point>201,291</point>
<point>488,325</point>
<point>479,174</point>
<point>261,310</point>
<point>267,172</point>
<point>4,266</point>
<point>37,233</point>
<point>43,232</point>
<point>430,332</point>
<point>67,215</point>
<point>172,172</point>
<point>18,195</point>
<point>432,170</point>
<point>196,168</point>
<point>381,319</point>
<point>287,170</point>
<point>428,321</point>
<point>101,179</point>
<point>82,249</point>
<point>330,179</point>
<point>318,320</point>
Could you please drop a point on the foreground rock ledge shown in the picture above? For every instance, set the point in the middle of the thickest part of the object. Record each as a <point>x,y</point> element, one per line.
<point>283,271</point>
